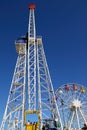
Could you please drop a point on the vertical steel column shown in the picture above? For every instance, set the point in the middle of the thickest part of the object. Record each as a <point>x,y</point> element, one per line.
<point>31,60</point>
<point>46,97</point>
<point>13,116</point>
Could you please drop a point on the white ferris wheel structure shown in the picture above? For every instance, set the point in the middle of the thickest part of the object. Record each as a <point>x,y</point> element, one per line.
<point>72,103</point>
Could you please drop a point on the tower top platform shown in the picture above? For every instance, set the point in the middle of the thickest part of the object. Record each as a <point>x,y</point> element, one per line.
<point>32,6</point>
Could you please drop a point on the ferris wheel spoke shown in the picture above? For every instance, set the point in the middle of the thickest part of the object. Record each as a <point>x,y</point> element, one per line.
<point>83,116</point>
<point>77,119</point>
<point>63,108</point>
<point>70,122</point>
<point>69,98</point>
<point>62,102</point>
<point>79,95</point>
<point>84,103</point>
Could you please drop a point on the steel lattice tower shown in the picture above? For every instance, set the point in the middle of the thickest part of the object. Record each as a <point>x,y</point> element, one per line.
<point>31,88</point>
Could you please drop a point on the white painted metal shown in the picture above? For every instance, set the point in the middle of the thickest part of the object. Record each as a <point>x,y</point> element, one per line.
<point>46,97</point>
<point>72,105</point>
<point>31,62</point>
<point>39,81</point>
<point>39,92</point>
<point>13,116</point>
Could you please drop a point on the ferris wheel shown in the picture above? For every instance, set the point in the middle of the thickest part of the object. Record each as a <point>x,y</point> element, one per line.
<point>72,104</point>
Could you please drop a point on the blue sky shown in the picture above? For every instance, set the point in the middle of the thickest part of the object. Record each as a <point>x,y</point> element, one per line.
<point>63,26</point>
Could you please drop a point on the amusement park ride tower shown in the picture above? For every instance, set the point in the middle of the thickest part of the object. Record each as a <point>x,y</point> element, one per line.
<point>31,89</point>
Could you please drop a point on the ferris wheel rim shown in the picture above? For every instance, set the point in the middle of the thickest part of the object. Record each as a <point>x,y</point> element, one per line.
<point>78,103</point>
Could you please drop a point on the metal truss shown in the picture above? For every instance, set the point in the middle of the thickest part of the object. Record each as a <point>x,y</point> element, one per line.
<point>31,87</point>
<point>13,116</point>
<point>31,62</point>
<point>46,97</point>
